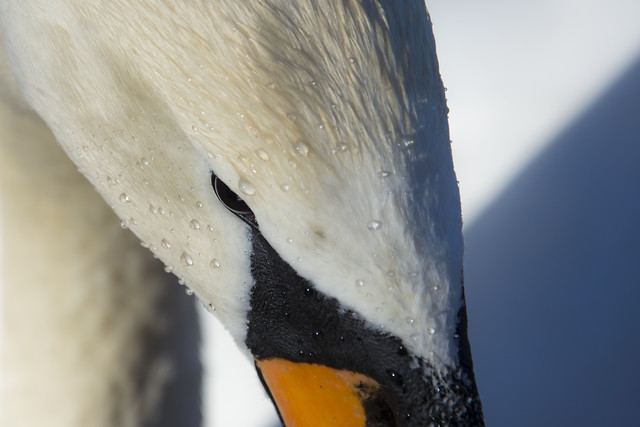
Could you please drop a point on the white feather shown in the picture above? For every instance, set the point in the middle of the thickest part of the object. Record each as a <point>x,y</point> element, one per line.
<point>332,130</point>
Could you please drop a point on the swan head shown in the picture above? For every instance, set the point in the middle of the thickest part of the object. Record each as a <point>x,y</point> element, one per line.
<point>290,163</point>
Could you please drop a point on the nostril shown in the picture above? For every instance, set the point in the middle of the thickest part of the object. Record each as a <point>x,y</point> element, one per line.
<point>233,202</point>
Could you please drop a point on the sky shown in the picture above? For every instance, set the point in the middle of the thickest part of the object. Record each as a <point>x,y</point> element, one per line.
<point>543,100</point>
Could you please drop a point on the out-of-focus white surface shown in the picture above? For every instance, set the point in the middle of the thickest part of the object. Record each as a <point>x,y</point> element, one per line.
<point>233,395</point>
<point>545,102</point>
<point>518,72</point>
<point>552,273</point>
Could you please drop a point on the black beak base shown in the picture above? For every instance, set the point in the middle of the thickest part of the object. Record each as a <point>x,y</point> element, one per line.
<point>289,319</point>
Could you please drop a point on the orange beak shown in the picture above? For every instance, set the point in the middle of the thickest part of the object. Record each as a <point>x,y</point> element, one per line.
<point>315,395</point>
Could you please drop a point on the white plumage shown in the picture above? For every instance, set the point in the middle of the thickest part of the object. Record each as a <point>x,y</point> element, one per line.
<point>332,131</point>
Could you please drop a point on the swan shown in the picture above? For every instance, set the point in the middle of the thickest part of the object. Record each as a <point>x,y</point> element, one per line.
<point>288,161</point>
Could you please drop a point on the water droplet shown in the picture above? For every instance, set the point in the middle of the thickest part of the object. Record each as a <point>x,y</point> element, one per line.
<point>291,117</point>
<point>194,224</point>
<point>395,377</point>
<point>210,308</point>
<point>144,161</point>
<point>359,283</point>
<point>188,291</point>
<point>374,225</point>
<point>124,198</point>
<point>181,281</point>
<point>194,128</point>
<point>186,259</point>
<point>431,331</point>
<point>410,320</point>
<point>152,209</point>
<point>111,181</point>
<point>144,245</point>
<point>199,204</point>
<point>165,244</point>
<point>343,147</point>
<point>285,187</point>
<point>271,85</point>
<point>402,351</point>
<point>168,268</point>
<point>383,174</point>
<point>301,148</point>
<point>289,240</point>
<point>246,187</point>
<point>214,263</point>
<point>262,154</point>
<point>210,155</point>
<point>210,227</point>
<point>352,59</point>
<point>123,225</point>
<point>160,210</point>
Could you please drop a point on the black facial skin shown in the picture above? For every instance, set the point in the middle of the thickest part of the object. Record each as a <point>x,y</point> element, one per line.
<point>290,319</point>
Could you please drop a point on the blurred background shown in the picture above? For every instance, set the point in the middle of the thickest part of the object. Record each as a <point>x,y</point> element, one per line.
<point>545,123</point>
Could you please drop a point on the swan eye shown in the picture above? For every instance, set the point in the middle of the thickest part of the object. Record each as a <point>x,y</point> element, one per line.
<point>233,202</point>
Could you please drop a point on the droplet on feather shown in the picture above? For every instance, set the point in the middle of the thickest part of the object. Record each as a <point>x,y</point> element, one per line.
<point>186,259</point>
<point>301,148</point>
<point>374,225</point>
<point>246,187</point>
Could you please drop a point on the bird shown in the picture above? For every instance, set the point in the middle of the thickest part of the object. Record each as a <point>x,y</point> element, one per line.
<point>290,163</point>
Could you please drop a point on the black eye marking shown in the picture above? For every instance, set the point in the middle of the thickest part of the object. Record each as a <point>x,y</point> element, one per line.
<point>233,202</point>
